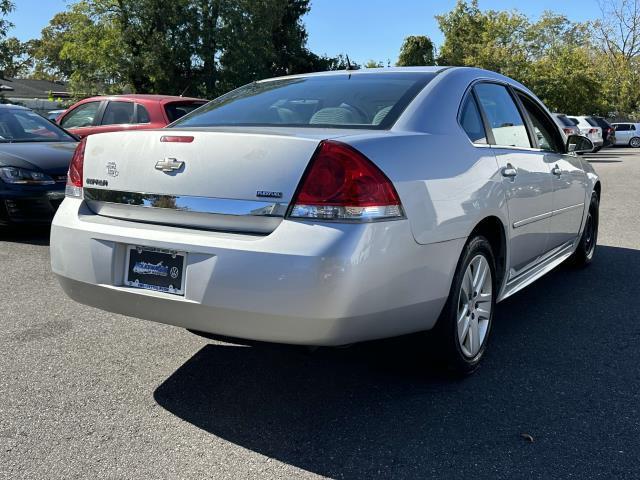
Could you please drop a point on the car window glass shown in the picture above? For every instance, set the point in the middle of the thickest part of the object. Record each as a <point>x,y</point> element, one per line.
<point>17,125</point>
<point>118,113</point>
<point>504,118</point>
<point>175,111</point>
<point>471,121</point>
<point>544,129</point>
<point>592,122</point>
<point>622,127</point>
<point>565,121</point>
<point>81,116</point>
<point>342,100</point>
<point>633,127</point>
<point>143,114</point>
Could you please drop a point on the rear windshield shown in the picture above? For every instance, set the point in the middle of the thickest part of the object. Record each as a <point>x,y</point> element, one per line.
<point>591,122</point>
<point>565,121</point>
<point>359,100</point>
<point>178,110</point>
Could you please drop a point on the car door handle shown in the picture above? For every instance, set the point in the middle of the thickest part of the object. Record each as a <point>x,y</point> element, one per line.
<point>556,171</point>
<point>509,171</point>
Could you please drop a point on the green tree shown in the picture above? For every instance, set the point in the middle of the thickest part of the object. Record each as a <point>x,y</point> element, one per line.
<point>554,57</point>
<point>416,50</point>
<point>373,64</point>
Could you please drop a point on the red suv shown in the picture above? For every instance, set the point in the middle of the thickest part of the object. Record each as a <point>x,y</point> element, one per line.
<point>125,112</point>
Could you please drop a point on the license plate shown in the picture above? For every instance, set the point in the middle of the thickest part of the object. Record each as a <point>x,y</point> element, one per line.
<point>155,269</point>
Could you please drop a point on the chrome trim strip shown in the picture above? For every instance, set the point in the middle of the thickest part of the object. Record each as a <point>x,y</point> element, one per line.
<point>529,220</point>
<point>542,216</point>
<point>570,207</point>
<point>191,204</point>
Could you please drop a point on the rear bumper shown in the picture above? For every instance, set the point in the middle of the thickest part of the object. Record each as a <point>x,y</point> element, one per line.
<point>314,284</point>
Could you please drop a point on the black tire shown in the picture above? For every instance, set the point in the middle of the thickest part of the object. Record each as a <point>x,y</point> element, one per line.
<point>445,335</point>
<point>586,249</point>
<point>634,142</point>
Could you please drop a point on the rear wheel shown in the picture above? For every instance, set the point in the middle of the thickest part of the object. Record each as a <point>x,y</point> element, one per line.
<point>464,325</point>
<point>635,142</point>
<point>586,248</point>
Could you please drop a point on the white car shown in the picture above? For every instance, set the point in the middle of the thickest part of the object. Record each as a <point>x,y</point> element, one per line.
<point>331,208</point>
<point>590,129</point>
<point>627,134</point>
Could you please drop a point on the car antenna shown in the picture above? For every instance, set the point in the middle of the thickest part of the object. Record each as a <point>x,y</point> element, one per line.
<point>349,66</point>
<point>185,90</point>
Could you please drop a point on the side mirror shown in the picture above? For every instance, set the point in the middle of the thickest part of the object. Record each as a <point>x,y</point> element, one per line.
<point>579,144</point>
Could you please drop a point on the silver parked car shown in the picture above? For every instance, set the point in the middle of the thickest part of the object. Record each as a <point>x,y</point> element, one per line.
<point>627,134</point>
<point>331,208</point>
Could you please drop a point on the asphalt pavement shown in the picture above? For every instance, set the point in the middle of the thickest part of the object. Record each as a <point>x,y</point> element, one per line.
<point>88,394</point>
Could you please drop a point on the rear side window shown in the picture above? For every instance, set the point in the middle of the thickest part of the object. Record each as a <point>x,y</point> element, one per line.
<point>506,123</point>
<point>341,100</point>
<point>118,113</point>
<point>544,129</point>
<point>175,111</point>
<point>142,115</point>
<point>82,116</point>
<point>471,121</point>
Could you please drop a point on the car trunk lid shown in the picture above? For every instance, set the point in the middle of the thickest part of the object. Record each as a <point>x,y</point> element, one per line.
<point>224,179</point>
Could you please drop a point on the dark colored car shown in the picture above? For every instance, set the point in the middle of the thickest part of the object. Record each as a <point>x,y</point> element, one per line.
<point>608,132</point>
<point>125,112</point>
<point>34,159</point>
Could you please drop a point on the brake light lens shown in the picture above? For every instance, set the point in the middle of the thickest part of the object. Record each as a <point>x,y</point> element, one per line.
<point>342,184</point>
<point>568,131</point>
<point>74,177</point>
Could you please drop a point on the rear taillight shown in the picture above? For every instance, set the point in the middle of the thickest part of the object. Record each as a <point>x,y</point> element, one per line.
<point>568,131</point>
<point>342,184</point>
<point>74,177</point>
<point>593,130</point>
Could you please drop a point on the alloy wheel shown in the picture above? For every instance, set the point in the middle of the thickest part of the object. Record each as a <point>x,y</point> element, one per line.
<point>635,142</point>
<point>474,306</point>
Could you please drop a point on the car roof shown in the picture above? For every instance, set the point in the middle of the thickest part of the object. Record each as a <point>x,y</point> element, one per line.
<point>10,106</point>
<point>146,97</point>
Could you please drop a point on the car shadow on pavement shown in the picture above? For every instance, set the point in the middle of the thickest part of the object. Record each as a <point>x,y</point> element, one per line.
<point>34,235</point>
<point>562,368</point>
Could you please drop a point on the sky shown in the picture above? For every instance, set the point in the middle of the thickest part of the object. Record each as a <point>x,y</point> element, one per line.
<point>363,29</point>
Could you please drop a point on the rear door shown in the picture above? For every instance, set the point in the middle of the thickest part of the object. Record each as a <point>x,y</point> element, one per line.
<point>526,175</point>
<point>121,115</point>
<point>569,180</point>
<point>623,133</point>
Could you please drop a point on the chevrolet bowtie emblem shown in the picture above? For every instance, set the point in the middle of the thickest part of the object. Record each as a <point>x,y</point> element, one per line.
<point>169,165</point>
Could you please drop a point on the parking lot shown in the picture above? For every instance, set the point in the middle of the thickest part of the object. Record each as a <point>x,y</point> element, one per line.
<point>88,394</point>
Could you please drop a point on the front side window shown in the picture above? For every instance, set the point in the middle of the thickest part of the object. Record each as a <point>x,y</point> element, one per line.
<point>506,123</point>
<point>471,121</point>
<point>344,100</point>
<point>82,116</point>
<point>544,129</point>
<point>622,127</point>
<point>118,113</point>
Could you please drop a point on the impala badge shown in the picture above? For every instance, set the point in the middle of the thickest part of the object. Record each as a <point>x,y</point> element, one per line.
<point>169,165</point>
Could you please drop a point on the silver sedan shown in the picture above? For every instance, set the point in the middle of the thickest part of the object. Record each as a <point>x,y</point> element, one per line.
<point>331,208</point>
